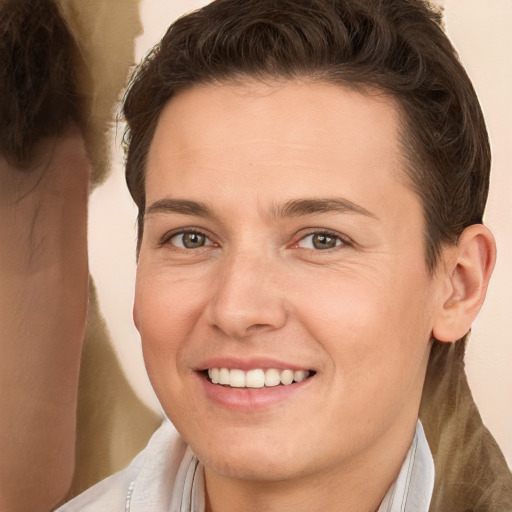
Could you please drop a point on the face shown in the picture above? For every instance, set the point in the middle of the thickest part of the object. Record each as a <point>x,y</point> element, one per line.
<point>281,242</point>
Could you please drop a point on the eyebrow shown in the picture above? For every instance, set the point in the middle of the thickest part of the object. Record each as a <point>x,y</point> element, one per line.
<point>294,208</point>
<point>181,206</point>
<point>300,207</point>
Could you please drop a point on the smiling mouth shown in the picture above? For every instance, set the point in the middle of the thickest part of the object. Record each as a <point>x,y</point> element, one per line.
<point>257,378</point>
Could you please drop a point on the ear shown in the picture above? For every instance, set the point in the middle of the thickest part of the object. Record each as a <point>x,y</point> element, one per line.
<point>467,270</point>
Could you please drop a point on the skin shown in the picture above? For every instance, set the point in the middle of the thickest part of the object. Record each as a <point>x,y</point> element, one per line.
<point>360,314</point>
<point>43,309</point>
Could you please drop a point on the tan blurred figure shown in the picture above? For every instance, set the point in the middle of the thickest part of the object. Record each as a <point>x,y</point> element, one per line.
<point>63,66</point>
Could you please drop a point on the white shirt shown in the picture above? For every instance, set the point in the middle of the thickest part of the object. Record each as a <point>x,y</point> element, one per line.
<point>167,477</point>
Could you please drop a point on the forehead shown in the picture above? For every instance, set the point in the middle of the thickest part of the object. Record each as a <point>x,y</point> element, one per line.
<point>296,138</point>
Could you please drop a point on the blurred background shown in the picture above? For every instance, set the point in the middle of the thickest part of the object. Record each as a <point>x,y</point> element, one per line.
<point>480,31</point>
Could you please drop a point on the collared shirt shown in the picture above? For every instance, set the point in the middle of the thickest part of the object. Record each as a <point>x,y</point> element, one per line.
<point>167,477</point>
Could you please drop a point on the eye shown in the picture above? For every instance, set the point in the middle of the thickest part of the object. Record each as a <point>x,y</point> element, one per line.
<point>190,240</point>
<point>320,241</point>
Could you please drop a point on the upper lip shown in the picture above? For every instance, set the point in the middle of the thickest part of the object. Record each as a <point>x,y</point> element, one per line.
<point>247,364</point>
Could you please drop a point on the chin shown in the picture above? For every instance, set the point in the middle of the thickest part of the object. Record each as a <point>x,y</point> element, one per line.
<point>243,467</point>
<point>247,458</point>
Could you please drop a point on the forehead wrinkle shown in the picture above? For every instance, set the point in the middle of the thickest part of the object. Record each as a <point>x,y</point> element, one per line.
<point>299,207</point>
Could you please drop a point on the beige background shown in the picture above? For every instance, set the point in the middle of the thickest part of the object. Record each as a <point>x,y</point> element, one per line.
<point>481,33</point>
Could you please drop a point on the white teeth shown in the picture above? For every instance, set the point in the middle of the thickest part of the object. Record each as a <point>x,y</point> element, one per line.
<point>300,375</point>
<point>237,378</point>
<point>286,377</point>
<point>224,376</point>
<point>256,378</point>
<point>272,377</point>
<point>213,373</point>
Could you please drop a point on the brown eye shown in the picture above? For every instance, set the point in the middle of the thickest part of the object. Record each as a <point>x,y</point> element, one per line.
<point>190,240</point>
<point>320,241</point>
<point>324,241</point>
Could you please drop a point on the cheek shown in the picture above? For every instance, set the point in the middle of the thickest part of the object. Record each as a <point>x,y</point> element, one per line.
<point>373,328</point>
<point>166,309</point>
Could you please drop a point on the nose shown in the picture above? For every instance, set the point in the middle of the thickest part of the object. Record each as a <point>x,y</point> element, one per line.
<point>248,297</point>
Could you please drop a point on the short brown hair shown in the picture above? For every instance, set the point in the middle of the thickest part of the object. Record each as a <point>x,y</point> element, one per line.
<point>38,92</point>
<point>395,46</point>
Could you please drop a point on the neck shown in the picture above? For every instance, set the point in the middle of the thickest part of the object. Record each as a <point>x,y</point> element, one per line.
<point>359,486</point>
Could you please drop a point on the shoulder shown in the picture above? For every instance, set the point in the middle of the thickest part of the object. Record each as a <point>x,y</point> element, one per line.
<point>153,465</point>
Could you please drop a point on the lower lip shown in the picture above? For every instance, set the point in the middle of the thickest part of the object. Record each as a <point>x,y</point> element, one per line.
<point>251,399</point>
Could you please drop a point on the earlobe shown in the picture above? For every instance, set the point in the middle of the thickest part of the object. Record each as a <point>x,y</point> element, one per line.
<point>467,272</point>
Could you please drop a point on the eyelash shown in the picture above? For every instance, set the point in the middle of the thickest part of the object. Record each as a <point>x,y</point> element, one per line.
<point>166,239</point>
<point>343,241</point>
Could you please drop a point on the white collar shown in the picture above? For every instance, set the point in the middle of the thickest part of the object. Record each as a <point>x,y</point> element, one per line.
<point>412,490</point>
